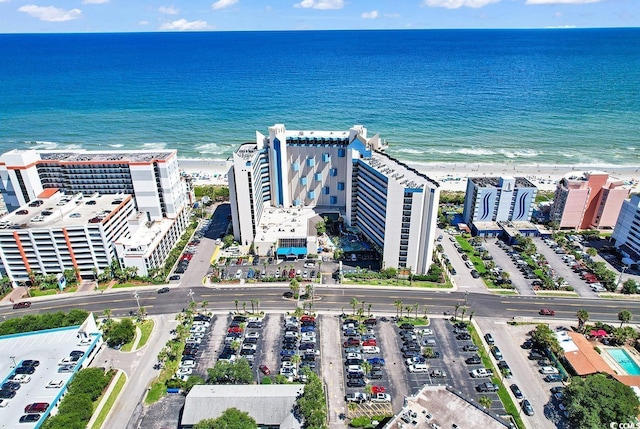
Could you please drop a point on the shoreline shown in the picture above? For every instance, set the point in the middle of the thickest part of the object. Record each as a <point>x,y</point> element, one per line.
<point>451,176</point>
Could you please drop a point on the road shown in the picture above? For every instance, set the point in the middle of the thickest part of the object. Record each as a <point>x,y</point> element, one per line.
<point>332,298</point>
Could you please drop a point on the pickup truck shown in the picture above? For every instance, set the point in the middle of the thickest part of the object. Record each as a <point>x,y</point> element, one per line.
<point>487,387</point>
<point>357,397</point>
<point>482,372</point>
<point>381,397</point>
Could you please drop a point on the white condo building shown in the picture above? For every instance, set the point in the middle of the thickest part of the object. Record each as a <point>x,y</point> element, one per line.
<point>62,215</point>
<point>493,200</point>
<point>282,182</point>
<point>627,231</point>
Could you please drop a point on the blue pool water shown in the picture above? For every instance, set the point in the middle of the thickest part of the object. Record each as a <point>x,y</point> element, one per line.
<point>624,360</point>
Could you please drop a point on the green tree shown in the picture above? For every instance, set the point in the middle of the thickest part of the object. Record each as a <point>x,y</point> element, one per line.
<point>597,400</point>
<point>235,301</point>
<point>193,380</point>
<point>120,333</point>
<point>228,240</point>
<point>107,313</point>
<point>629,287</point>
<point>238,372</point>
<point>592,252</point>
<point>624,316</point>
<point>583,317</point>
<point>398,305</point>
<point>544,338</point>
<point>485,401</point>
<point>231,418</point>
<point>321,227</point>
<point>294,285</point>
<point>354,303</point>
<point>312,404</point>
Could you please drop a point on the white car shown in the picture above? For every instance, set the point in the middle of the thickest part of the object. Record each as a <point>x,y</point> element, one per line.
<point>67,361</point>
<point>482,372</point>
<point>354,356</point>
<point>187,363</point>
<point>4,403</point>
<point>85,341</point>
<point>249,347</point>
<point>192,340</point>
<point>198,328</point>
<point>21,378</point>
<point>201,323</point>
<point>549,370</point>
<point>55,384</point>
<point>253,335</point>
<point>184,371</point>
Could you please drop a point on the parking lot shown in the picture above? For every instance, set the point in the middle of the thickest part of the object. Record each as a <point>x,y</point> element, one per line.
<point>503,260</point>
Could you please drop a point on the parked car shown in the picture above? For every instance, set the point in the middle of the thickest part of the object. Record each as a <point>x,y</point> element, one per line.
<point>516,391</point>
<point>487,387</point>
<point>552,378</point>
<point>473,360</point>
<point>265,369</point>
<point>470,348</point>
<point>527,407</point>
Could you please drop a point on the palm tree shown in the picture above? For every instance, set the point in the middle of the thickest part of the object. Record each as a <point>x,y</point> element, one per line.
<point>107,313</point>
<point>257,306</point>
<point>244,307</point>
<point>295,359</point>
<point>204,305</point>
<point>398,305</point>
<point>354,304</point>
<point>295,287</point>
<point>485,401</point>
<point>583,316</point>
<point>235,301</point>
<point>455,314</point>
<point>362,302</point>
<point>252,304</point>
<point>463,312</point>
<point>471,316</point>
<point>369,307</point>
<point>408,308</point>
<point>415,308</point>
<point>624,317</point>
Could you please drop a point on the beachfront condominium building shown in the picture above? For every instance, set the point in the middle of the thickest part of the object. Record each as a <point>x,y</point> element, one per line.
<point>587,200</point>
<point>491,201</point>
<point>626,234</point>
<point>282,183</point>
<point>152,177</point>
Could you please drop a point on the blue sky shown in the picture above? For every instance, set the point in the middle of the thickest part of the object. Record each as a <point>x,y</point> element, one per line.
<point>52,16</point>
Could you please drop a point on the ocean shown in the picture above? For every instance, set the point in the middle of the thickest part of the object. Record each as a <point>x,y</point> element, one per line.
<point>555,96</point>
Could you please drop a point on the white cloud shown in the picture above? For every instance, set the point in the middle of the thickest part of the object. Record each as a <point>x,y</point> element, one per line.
<point>455,4</point>
<point>168,10</point>
<point>94,1</point>
<point>321,4</point>
<point>561,1</point>
<point>392,15</point>
<point>369,15</point>
<point>143,23</point>
<point>50,13</point>
<point>184,25</point>
<point>221,4</point>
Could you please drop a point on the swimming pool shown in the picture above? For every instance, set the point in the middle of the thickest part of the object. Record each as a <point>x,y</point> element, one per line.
<point>627,363</point>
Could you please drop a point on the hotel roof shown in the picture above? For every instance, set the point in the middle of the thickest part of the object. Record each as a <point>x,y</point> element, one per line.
<point>146,238</point>
<point>399,171</point>
<point>494,181</point>
<point>59,210</point>
<point>81,155</point>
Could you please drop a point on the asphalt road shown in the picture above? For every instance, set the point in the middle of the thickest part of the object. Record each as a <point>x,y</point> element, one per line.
<point>332,298</point>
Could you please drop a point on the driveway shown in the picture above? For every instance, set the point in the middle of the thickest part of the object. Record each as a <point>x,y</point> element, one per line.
<point>562,269</point>
<point>463,277</point>
<point>331,349</point>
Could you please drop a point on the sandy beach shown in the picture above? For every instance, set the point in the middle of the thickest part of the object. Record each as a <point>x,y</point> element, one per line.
<point>451,176</point>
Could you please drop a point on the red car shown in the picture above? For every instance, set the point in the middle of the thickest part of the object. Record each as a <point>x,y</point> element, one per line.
<point>547,312</point>
<point>351,342</point>
<point>377,389</point>
<point>369,343</point>
<point>23,304</point>
<point>265,369</point>
<point>307,319</point>
<point>235,330</point>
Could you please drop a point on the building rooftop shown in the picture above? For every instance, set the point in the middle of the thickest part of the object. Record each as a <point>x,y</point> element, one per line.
<point>59,210</point>
<point>443,407</point>
<point>495,181</point>
<point>146,237</point>
<point>266,404</point>
<point>81,155</point>
<point>293,222</point>
<point>400,172</point>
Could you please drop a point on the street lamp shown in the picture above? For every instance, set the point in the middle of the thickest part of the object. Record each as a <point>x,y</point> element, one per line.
<point>466,293</point>
<point>191,295</point>
<point>13,359</point>
<point>624,268</point>
<point>137,297</point>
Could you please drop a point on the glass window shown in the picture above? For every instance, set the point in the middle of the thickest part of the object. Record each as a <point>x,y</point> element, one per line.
<point>325,157</point>
<point>333,200</point>
<point>303,180</point>
<point>312,194</point>
<point>311,162</point>
<point>342,152</point>
<point>340,186</point>
<point>325,190</point>
<point>296,166</point>
<point>317,176</point>
<point>333,172</point>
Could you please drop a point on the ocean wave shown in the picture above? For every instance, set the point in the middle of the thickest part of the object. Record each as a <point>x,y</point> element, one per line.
<point>155,146</point>
<point>409,150</point>
<point>116,144</point>
<point>39,144</point>
<point>212,148</point>
<point>519,153</point>
<point>475,152</point>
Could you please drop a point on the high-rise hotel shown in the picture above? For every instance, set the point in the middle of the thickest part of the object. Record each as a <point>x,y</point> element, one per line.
<point>282,183</point>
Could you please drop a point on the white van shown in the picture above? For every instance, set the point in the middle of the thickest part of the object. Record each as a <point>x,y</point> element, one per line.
<point>370,350</point>
<point>419,367</point>
<point>548,370</point>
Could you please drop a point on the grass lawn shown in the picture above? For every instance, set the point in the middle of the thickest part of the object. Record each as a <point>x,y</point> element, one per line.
<point>563,294</point>
<point>122,379</point>
<point>503,291</point>
<point>38,292</point>
<point>397,282</point>
<point>509,406</point>
<point>420,321</point>
<point>146,328</point>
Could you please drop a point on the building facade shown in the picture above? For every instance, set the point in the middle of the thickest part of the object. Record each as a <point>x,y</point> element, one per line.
<point>58,232</point>
<point>342,172</point>
<point>490,201</point>
<point>626,234</point>
<point>153,178</point>
<point>587,200</point>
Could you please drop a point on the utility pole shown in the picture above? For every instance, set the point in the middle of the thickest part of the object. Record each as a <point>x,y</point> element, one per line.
<point>191,295</point>
<point>137,297</point>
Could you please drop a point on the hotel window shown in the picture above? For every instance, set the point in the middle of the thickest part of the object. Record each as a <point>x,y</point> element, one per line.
<point>296,166</point>
<point>333,200</point>
<point>317,177</point>
<point>342,152</point>
<point>340,186</point>
<point>296,202</point>
<point>325,190</point>
<point>303,180</point>
<point>312,195</point>
<point>311,162</point>
<point>333,172</point>
<point>325,157</point>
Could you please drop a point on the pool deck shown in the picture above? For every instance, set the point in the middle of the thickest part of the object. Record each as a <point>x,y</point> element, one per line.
<point>613,363</point>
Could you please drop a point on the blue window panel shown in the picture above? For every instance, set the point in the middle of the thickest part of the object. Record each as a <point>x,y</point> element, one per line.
<point>311,162</point>
<point>342,153</point>
<point>340,186</point>
<point>303,180</point>
<point>325,157</point>
<point>296,202</point>
<point>333,172</point>
<point>325,190</point>
<point>312,195</point>
<point>317,176</point>
<point>296,166</point>
<point>333,200</point>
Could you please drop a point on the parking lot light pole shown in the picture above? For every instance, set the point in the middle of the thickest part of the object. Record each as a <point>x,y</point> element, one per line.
<point>466,293</point>
<point>13,359</point>
<point>137,297</point>
<point>191,295</point>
